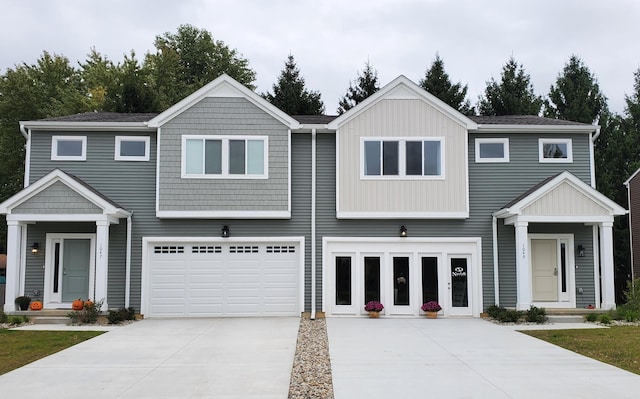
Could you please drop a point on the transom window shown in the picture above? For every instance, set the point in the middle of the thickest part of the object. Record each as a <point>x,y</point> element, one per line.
<point>492,150</point>
<point>225,157</point>
<point>555,150</point>
<point>69,148</point>
<point>131,148</point>
<point>402,158</point>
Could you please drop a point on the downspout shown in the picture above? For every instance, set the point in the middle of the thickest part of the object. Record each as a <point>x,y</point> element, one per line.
<point>27,153</point>
<point>313,224</point>
<point>127,282</point>
<point>496,281</point>
<point>592,161</point>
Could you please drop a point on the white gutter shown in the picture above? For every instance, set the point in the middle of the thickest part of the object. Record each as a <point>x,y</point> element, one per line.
<point>27,154</point>
<point>496,281</point>
<point>127,281</point>
<point>313,224</point>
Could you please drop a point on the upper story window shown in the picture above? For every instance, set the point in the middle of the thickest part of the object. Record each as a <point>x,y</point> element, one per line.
<point>555,150</point>
<point>69,148</point>
<point>402,158</point>
<point>492,150</point>
<point>132,148</point>
<point>225,157</point>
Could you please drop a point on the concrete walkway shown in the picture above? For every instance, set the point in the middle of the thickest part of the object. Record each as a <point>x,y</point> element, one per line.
<point>461,358</point>
<point>171,358</point>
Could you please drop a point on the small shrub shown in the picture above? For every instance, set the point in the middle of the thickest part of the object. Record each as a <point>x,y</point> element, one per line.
<point>88,315</point>
<point>494,311</point>
<point>25,319</point>
<point>15,320</point>
<point>605,319</point>
<point>626,313</point>
<point>510,316</point>
<point>591,317</point>
<point>536,315</point>
<point>3,317</point>
<point>120,315</point>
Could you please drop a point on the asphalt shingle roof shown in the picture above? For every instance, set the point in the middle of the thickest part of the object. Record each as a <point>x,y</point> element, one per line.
<point>103,117</point>
<point>521,120</point>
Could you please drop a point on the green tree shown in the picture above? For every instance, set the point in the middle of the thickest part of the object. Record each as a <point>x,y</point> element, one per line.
<point>291,95</point>
<point>576,95</point>
<point>366,84</point>
<point>436,81</point>
<point>513,95</point>
<point>131,89</point>
<point>189,59</point>
<point>98,74</point>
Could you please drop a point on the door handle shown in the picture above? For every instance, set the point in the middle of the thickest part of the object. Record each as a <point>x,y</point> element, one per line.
<point>555,271</point>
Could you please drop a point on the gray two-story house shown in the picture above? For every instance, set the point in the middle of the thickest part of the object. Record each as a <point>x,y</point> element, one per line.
<point>223,205</point>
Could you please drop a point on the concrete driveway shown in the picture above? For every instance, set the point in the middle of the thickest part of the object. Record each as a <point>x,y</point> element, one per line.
<point>168,358</point>
<point>461,358</point>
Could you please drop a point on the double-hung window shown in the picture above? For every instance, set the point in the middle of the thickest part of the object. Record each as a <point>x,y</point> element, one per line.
<point>402,158</point>
<point>555,150</point>
<point>225,157</point>
<point>69,148</point>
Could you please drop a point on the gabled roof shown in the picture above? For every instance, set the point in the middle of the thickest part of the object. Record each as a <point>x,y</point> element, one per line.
<point>518,205</point>
<point>224,86</point>
<point>626,183</point>
<point>108,206</point>
<point>529,123</point>
<point>402,88</point>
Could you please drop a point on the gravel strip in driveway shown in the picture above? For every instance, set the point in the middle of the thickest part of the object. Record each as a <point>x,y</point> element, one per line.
<point>311,373</point>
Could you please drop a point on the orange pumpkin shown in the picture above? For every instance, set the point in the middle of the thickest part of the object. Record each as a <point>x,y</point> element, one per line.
<point>36,305</point>
<point>88,303</point>
<point>77,304</point>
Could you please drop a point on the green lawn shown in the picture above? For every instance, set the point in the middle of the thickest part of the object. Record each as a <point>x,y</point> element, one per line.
<point>618,346</point>
<point>18,348</point>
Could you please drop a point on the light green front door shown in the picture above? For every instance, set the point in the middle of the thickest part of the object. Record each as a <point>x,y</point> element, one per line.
<point>75,269</point>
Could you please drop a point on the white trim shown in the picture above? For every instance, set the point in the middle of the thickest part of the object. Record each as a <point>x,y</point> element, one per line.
<point>62,217</point>
<point>288,171</point>
<point>559,219</point>
<point>147,241</point>
<point>402,173</point>
<point>158,170</point>
<point>118,143</point>
<point>27,160</point>
<point>224,86</point>
<point>84,126</point>
<point>505,148</point>
<point>496,269</point>
<point>560,129</point>
<point>23,258</point>
<point>571,270</point>
<point>596,264</point>
<point>313,221</point>
<point>224,214</point>
<point>592,164</point>
<point>402,215</point>
<point>51,300</point>
<point>543,159</point>
<point>225,174</point>
<point>337,176</point>
<point>54,148</point>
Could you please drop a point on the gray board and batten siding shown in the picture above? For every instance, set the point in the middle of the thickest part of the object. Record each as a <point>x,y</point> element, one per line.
<point>132,185</point>
<point>223,116</point>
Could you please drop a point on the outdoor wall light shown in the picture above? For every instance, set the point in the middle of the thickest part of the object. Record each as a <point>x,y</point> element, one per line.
<point>35,248</point>
<point>403,231</point>
<point>580,250</point>
<point>225,231</point>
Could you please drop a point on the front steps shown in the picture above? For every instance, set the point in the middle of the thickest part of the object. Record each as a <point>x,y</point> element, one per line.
<point>570,315</point>
<point>48,316</point>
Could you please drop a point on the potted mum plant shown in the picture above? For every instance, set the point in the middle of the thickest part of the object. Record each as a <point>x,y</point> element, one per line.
<point>431,308</point>
<point>374,308</point>
<point>23,302</point>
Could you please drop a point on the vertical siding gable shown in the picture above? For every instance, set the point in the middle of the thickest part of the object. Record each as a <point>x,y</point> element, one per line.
<point>564,200</point>
<point>402,118</point>
<point>223,116</point>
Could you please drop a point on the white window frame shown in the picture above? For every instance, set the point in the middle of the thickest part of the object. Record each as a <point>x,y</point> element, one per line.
<point>505,145</point>
<point>225,157</point>
<point>54,148</point>
<point>542,159</point>
<point>402,164</point>
<point>120,139</point>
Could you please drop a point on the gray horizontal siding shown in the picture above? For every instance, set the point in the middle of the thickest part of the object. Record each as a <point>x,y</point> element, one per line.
<point>224,116</point>
<point>57,199</point>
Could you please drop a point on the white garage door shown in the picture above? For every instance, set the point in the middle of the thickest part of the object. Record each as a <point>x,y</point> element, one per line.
<point>216,279</point>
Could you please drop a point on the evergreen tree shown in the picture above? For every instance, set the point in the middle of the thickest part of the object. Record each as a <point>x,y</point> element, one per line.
<point>513,95</point>
<point>576,95</point>
<point>291,95</point>
<point>365,85</point>
<point>436,81</point>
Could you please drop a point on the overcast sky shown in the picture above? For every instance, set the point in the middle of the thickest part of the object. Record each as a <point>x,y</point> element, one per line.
<point>331,40</point>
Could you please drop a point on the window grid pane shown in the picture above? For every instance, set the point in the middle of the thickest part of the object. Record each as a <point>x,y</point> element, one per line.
<point>255,157</point>
<point>372,158</point>
<point>432,158</point>
<point>194,157</point>
<point>390,158</point>
<point>213,157</point>
<point>236,157</point>
<point>414,158</point>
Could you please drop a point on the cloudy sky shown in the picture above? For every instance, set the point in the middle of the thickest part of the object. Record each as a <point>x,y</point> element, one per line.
<point>331,39</point>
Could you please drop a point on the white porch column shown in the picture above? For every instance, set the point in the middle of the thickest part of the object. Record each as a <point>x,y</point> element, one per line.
<point>607,266</point>
<point>523,272</point>
<point>14,256</point>
<point>102,262</point>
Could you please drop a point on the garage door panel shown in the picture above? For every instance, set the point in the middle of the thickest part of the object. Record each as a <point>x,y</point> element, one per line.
<point>221,279</point>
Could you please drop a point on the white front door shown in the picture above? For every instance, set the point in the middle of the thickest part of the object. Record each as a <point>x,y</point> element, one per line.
<point>459,285</point>
<point>552,270</point>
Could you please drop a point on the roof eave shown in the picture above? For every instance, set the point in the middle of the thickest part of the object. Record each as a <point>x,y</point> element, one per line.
<point>80,126</point>
<point>490,128</point>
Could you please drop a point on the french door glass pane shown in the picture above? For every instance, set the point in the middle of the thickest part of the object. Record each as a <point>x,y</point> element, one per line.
<point>371,279</point>
<point>429,279</point>
<point>343,280</point>
<point>213,157</point>
<point>459,288</point>
<point>401,281</point>
<point>372,158</point>
<point>255,157</point>
<point>414,158</point>
<point>390,158</point>
<point>432,161</point>
<point>236,157</point>
<point>194,156</point>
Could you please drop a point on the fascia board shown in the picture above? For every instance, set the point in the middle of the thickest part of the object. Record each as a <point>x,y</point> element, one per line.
<point>626,183</point>
<point>84,126</point>
<point>533,129</point>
